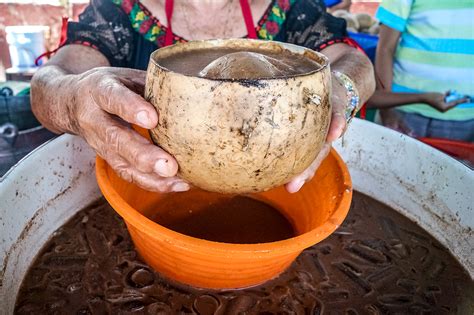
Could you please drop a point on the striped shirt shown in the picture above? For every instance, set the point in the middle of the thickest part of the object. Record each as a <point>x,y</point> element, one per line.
<point>436,50</point>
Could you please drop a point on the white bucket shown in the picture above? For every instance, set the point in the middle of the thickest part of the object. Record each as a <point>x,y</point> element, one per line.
<point>25,43</point>
<point>57,180</point>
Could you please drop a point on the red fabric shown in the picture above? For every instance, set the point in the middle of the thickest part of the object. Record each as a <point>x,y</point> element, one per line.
<point>127,5</point>
<point>349,41</point>
<point>62,40</point>
<point>247,13</point>
<point>146,26</point>
<point>85,43</point>
<point>63,37</point>
<point>169,5</point>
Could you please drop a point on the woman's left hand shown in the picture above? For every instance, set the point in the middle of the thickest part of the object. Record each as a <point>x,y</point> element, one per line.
<point>336,129</point>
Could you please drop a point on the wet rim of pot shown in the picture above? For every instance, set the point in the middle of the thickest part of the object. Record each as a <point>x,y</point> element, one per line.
<point>277,248</point>
<point>222,43</point>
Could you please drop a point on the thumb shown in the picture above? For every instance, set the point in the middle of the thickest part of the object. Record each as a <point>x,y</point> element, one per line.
<point>465,99</point>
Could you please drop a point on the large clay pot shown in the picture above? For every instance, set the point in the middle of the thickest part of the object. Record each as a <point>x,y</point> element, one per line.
<point>240,136</point>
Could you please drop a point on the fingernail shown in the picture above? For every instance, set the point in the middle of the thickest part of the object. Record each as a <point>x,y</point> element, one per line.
<point>143,119</point>
<point>162,168</point>
<point>180,186</point>
<point>298,185</point>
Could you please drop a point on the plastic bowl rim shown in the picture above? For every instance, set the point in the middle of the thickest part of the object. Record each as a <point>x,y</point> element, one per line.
<point>284,247</point>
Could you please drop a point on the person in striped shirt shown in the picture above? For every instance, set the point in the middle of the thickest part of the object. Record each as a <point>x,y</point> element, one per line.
<point>426,48</point>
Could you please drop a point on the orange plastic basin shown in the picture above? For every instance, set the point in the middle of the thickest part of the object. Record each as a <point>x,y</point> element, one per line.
<point>315,212</point>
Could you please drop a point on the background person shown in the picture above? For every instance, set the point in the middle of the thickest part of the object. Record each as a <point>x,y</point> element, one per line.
<point>425,49</point>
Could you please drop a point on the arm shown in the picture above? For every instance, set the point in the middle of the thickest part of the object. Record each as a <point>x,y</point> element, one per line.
<point>388,42</point>
<point>76,92</point>
<point>386,47</point>
<point>47,105</point>
<point>356,66</point>
<point>319,31</point>
<point>383,99</point>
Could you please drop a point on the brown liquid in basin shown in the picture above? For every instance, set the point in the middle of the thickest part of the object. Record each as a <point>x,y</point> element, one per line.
<point>377,262</point>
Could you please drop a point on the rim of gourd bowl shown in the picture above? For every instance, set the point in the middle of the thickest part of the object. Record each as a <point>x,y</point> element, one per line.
<point>215,43</point>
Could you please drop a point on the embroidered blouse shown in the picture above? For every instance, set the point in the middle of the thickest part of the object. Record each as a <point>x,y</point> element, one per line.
<point>127,33</point>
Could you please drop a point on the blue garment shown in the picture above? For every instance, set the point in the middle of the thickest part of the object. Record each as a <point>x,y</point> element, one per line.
<point>435,53</point>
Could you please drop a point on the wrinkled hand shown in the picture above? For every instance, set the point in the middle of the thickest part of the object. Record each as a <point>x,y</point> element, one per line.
<point>437,100</point>
<point>107,100</point>
<point>336,129</point>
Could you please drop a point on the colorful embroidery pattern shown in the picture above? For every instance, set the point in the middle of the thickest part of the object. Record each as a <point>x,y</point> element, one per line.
<point>151,29</point>
<point>270,25</point>
<point>144,23</point>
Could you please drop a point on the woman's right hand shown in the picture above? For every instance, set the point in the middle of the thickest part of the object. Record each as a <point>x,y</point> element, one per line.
<point>105,102</point>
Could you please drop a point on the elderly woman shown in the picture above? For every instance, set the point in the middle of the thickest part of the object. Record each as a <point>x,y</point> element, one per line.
<point>93,86</point>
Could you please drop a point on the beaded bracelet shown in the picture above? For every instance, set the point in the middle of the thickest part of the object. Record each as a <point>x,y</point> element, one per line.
<point>353,100</point>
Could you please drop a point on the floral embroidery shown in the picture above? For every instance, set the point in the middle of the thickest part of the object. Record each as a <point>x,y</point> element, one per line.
<point>272,27</point>
<point>262,33</point>
<point>276,11</point>
<point>151,29</point>
<point>140,16</point>
<point>271,23</point>
<point>284,4</point>
<point>144,23</point>
<point>126,5</point>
